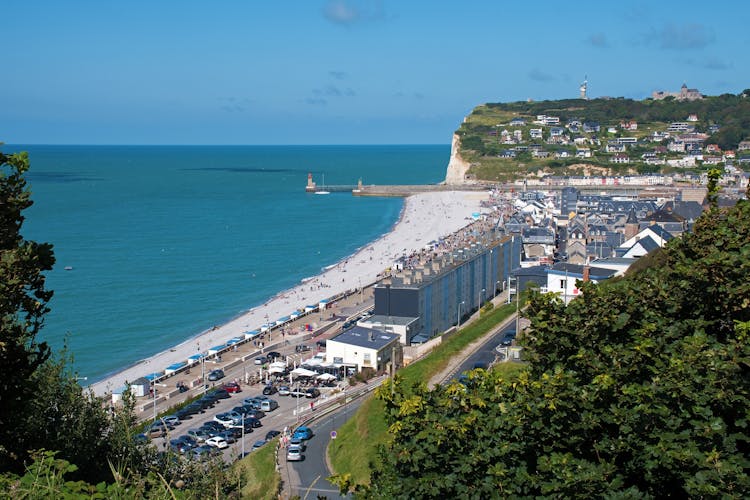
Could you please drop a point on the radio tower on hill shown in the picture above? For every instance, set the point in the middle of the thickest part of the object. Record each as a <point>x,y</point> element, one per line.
<point>583,88</point>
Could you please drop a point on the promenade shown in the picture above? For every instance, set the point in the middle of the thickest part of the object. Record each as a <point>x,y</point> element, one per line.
<point>425,218</point>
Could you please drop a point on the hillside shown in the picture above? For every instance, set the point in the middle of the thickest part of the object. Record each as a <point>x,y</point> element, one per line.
<point>504,141</point>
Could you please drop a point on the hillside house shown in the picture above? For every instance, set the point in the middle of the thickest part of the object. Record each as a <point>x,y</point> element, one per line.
<point>620,158</point>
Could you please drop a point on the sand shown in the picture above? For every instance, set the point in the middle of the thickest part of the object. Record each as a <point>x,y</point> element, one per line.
<point>425,217</point>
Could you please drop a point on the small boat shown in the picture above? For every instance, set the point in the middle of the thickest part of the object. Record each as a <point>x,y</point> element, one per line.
<point>322,192</point>
<point>68,268</point>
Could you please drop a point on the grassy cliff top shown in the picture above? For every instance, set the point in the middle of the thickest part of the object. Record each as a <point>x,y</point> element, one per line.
<point>573,139</point>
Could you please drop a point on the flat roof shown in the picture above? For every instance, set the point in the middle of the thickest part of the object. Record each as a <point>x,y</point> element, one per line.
<point>389,320</point>
<point>361,337</point>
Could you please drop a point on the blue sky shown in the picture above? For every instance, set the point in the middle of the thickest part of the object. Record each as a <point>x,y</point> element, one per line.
<point>338,71</point>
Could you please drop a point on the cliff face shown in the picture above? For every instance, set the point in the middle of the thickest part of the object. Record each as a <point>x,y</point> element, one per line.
<point>457,167</point>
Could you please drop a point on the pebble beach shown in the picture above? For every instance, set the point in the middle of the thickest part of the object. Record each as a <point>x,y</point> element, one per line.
<point>424,218</point>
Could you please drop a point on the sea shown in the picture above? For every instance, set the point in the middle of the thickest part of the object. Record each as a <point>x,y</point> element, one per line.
<point>156,244</point>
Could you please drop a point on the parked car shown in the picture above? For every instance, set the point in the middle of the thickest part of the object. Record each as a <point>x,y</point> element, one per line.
<point>228,436</point>
<point>298,392</point>
<point>203,452</point>
<point>303,431</point>
<point>260,360</point>
<point>232,387</point>
<point>171,420</point>
<point>258,444</point>
<point>302,348</point>
<point>192,408</point>
<point>200,435</point>
<point>183,414</point>
<point>294,454</point>
<point>255,414</point>
<point>272,434</point>
<point>217,374</point>
<point>220,394</point>
<point>218,442</point>
<point>269,389</point>
<point>213,427</point>
<point>228,418</point>
<point>312,393</point>
<point>269,405</point>
<point>180,446</point>
<point>253,422</point>
<point>273,355</point>
<point>284,390</point>
<point>321,344</point>
<point>158,429</point>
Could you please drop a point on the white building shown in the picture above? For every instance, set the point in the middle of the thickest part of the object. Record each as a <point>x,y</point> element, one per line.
<point>361,348</point>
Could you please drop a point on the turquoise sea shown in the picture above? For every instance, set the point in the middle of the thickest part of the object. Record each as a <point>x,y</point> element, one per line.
<point>166,241</point>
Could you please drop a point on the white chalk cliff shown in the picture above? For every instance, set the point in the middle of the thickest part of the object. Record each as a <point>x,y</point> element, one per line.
<point>457,167</point>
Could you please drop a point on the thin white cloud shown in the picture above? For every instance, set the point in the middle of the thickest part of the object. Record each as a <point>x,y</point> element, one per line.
<point>682,37</point>
<point>349,12</point>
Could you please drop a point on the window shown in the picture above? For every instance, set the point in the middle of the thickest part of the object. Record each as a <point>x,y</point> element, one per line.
<point>563,284</point>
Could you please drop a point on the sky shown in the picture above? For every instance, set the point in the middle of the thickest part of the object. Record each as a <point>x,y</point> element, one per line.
<point>339,71</point>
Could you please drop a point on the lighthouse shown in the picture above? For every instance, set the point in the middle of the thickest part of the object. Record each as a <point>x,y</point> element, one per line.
<point>310,188</point>
<point>583,88</point>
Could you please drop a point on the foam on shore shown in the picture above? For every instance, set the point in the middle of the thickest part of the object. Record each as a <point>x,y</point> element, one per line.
<point>425,217</point>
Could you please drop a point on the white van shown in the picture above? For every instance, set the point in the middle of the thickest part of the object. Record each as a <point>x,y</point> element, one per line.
<point>268,405</point>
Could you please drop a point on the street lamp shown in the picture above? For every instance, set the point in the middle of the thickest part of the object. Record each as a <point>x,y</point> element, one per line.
<point>479,302</point>
<point>458,316</point>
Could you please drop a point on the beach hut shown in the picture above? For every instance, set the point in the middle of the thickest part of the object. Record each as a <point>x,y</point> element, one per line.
<point>174,368</point>
<point>153,376</point>
<point>117,394</point>
<point>140,386</point>
<point>310,308</point>
<point>323,305</point>
<point>215,349</point>
<point>252,334</point>
<point>234,340</point>
<point>194,358</point>
<point>294,315</point>
<point>282,320</point>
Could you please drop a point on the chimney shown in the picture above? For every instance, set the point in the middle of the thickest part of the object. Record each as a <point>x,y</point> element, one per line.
<point>371,337</point>
<point>586,273</point>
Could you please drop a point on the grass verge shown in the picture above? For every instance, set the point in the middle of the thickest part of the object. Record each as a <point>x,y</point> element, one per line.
<point>358,440</point>
<point>258,473</point>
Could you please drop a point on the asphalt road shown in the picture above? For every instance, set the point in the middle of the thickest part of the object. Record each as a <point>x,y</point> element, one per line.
<point>309,477</point>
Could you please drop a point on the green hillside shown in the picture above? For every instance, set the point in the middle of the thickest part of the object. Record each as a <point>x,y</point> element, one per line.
<point>585,129</point>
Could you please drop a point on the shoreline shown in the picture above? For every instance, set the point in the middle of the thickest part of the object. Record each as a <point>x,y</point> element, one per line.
<point>424,217</point>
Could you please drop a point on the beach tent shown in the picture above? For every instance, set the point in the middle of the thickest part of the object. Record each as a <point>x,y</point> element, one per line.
<point>277,367</point>
<point>326,376</point>
<point>303,372</point>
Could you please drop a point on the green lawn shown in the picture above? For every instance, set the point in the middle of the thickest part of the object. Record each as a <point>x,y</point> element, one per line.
<point>257,473</point>
<point>357,442</point>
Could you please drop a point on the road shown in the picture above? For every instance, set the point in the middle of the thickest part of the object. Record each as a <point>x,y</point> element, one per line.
<point>308,477</point>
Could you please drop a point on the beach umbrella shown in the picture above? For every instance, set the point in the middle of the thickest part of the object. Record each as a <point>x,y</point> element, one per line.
<point>325,376</point>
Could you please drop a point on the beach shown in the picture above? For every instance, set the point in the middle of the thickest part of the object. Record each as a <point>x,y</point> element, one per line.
<point>424,218</point>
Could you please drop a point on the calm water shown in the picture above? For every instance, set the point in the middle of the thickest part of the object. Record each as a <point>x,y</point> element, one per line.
<point>166,242</point>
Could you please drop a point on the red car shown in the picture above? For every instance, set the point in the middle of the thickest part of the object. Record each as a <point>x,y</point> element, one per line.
<point>232,387</point>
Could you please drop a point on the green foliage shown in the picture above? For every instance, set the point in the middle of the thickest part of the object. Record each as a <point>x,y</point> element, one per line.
<point>640,387</point>
<point>480,146</point>
<point>23,304</point>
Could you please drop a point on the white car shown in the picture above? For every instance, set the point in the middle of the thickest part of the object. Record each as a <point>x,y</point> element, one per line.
<point>217,442</point>
<point>225,419</point>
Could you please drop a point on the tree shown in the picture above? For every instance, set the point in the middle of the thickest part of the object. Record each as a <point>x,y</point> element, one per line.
<point>23,304</point>
<point>641,387</point>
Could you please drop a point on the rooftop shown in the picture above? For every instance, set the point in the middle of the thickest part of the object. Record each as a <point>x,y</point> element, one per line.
<point>365,337</point>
